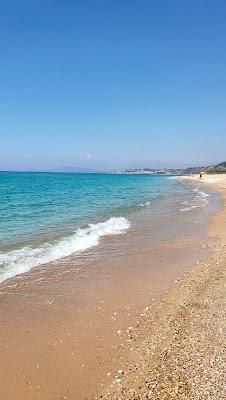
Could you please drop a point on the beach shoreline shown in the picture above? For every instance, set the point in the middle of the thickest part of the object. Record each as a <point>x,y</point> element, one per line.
<point>183,356</point>
<point>74,349</point>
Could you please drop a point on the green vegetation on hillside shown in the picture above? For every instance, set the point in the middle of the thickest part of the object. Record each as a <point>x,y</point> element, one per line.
<point>212,169</point>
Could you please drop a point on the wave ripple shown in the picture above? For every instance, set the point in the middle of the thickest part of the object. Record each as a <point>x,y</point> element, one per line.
<point>199,201</point>
<point>16,262</point>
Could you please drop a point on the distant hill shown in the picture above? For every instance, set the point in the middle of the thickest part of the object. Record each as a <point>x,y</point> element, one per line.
<point>217,169</point>
<point>74,169</point>
<point>210,169</point>
<point>223,164</point>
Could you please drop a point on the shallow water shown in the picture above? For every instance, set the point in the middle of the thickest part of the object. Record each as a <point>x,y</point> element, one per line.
<point>45,217</point>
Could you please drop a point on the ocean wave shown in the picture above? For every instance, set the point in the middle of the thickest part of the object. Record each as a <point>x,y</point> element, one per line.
<point>16,262</point>
<point>199,201</point>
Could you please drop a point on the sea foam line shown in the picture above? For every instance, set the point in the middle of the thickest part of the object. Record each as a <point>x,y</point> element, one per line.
<point>199,201</point>
<point>146,204</point>
<point>17,262</point>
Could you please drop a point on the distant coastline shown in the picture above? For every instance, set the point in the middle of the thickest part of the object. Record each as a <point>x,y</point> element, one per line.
<point>143,171</point>
<point>209,169</point>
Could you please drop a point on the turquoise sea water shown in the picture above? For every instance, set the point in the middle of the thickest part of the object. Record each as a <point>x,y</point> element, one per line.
<point>37,203</point>
<point>47,216</point>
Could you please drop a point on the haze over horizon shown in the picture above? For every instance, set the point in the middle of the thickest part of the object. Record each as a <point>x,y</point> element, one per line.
<point>117,85</point>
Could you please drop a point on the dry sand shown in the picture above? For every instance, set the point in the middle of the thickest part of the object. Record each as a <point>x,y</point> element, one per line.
<point>183,356</point>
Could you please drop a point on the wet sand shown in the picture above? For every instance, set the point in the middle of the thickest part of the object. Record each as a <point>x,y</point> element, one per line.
<point>81,335</point>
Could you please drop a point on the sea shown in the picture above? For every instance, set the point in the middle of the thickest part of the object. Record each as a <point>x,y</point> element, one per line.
<point>47,217</point>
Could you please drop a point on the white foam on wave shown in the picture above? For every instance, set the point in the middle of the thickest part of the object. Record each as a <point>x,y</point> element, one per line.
<point>16,262</point>
<point>199,201</point>
<point>146,204</point>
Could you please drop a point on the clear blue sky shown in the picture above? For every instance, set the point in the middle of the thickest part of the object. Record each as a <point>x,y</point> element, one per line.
<point>112,83</point>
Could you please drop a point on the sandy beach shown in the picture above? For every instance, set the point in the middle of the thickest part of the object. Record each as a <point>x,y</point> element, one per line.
<point>183,355</point>
<point>115,331</point>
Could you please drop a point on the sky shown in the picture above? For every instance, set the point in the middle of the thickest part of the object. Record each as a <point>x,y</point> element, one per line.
<point>112,84</point>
